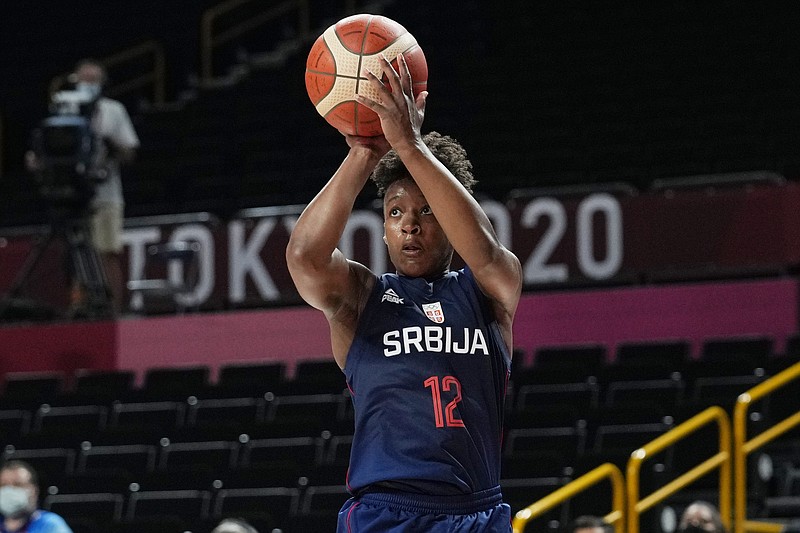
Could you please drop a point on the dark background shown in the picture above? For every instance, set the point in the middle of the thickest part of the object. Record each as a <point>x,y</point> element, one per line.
<point>540,93</point>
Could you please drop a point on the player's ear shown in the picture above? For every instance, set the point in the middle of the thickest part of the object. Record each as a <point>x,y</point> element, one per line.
<point>384,240</point>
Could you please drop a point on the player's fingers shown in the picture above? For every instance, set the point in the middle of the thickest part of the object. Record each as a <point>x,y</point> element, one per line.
<point>391,75</point>
<point>421,100</point>
<point>378,85</point>
<point>405,74</point>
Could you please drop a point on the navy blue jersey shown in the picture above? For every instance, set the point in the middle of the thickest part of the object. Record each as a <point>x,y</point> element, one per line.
<point>428,369</point>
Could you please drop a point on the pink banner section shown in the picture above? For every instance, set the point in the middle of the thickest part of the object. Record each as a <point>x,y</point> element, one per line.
<point>694,312</point>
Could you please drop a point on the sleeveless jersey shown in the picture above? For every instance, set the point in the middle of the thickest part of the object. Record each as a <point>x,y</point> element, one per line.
<point>427,370</point>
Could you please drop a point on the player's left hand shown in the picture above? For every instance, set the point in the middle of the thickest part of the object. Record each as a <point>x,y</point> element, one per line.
<point>400,114</point>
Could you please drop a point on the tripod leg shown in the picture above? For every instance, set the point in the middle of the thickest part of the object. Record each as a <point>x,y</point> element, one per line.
<point>89,272</point>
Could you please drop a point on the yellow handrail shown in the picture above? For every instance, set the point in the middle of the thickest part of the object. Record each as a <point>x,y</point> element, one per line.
<point>743,447</point>
<point>722,460</point>
<point>155,77</point>
<point>209,41</point>
<point>605,471</point>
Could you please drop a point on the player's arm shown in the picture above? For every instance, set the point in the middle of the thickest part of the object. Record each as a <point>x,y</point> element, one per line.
<point>496,269</point>
<point>324,277</point>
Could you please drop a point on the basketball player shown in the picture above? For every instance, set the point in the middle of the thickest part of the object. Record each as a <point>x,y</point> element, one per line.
<point>426,352</point>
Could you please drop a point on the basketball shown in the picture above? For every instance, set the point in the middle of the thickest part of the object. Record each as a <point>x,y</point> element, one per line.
<point>337,61</point>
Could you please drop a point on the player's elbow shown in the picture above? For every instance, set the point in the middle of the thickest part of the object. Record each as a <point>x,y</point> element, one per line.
<point>301,256</point>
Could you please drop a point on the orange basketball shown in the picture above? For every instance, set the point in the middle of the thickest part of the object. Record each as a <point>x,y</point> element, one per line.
<point>336,64</point>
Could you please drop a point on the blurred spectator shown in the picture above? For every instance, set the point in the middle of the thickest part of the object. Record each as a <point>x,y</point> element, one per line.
<point>234,525</point>
<point>113,125</point>
<point>19,496</point>
<point>589,524</point>
<point>701,517</point>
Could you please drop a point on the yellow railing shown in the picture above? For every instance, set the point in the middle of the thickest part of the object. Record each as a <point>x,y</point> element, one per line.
<point>743,447</point>
<point>605,471</point>
<point>211,37</point>
<point>722,460</point>
<point>154,76</point>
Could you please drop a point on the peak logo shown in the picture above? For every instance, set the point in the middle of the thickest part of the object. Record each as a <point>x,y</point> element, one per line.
<point>392,297</point>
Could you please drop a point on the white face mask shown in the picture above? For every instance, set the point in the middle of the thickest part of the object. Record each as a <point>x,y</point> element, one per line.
<point>14,501</point>
<point>91,89</point>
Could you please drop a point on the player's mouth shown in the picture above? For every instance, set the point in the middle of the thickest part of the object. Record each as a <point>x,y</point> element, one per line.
<point>411,250</point>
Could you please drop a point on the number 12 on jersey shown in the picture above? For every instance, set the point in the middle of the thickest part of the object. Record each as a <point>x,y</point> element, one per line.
<point>445,417</point>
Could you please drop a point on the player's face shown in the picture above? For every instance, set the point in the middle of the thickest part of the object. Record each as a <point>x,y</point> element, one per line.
<point>417,244</point>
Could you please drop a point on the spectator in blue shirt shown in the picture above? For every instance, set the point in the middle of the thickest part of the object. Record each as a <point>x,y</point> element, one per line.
<point>19,497</point>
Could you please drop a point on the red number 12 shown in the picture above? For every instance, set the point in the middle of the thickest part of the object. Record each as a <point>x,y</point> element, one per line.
<point>439,415</point>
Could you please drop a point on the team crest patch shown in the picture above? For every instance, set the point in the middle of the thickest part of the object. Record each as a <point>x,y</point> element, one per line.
<point>434,312</point>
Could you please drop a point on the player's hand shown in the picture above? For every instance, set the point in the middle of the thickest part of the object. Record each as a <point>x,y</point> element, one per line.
<point>377,145</point>
<point>400,114</point>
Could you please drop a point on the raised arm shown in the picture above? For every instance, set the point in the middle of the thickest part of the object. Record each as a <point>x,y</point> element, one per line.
<point>469,230</point>
<point>324,277</point>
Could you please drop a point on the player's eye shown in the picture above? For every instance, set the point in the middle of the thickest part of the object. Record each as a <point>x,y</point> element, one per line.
<point>394,212</point>
<point>426,210</point>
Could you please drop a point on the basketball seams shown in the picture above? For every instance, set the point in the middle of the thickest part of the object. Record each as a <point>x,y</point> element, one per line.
<point>335,74</point>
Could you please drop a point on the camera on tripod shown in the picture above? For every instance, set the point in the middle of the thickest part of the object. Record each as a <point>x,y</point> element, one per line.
<point>69,155</point>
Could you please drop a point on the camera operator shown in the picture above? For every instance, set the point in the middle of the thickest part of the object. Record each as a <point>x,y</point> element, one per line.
<point>117,144</point>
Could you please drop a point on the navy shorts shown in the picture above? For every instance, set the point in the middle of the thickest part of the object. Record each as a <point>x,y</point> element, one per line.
<point>394,512</point>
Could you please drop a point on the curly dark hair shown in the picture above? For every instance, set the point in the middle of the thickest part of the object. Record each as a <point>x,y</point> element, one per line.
<point>446,149</point>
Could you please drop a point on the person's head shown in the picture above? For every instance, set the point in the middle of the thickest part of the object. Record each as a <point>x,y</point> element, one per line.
<point>90,74</point>
<point>590,524</point>
<point>234,525</point>
<point>19,489</point>
<point>701,517</point>
<point>417,244</point>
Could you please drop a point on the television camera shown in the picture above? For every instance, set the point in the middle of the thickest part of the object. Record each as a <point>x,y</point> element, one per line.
<point>69,156</point>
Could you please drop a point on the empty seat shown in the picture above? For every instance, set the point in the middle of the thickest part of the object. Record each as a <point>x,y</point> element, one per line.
<point>180,505</point>
<point>14,423</point>
<point>133,459</point>
<point>197,457</point>
<point>104,385</point>
<point>266,508</point>
<point>664,392</point>
<point>626,438</point>
<point>543,416</point>
<point>31,389</point>
<point>327,499</point>
<point>98,509</point>
<point>581,396</point>
<point>50,463</point>
<point>299,451</point>
<point>142,422</point>
<point>535,464</point>
<point>176,383</point>
<point>338,451</point>
<point>319,508</point>
<point>590,356</point>
<point>723,390</point>
<point>569,441</point>
<point>233,413</point>
<point>673,353</point>
<point>310,413</point>
<point>754,349</point>
<point>251,379</point>
<point>84,420</point>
